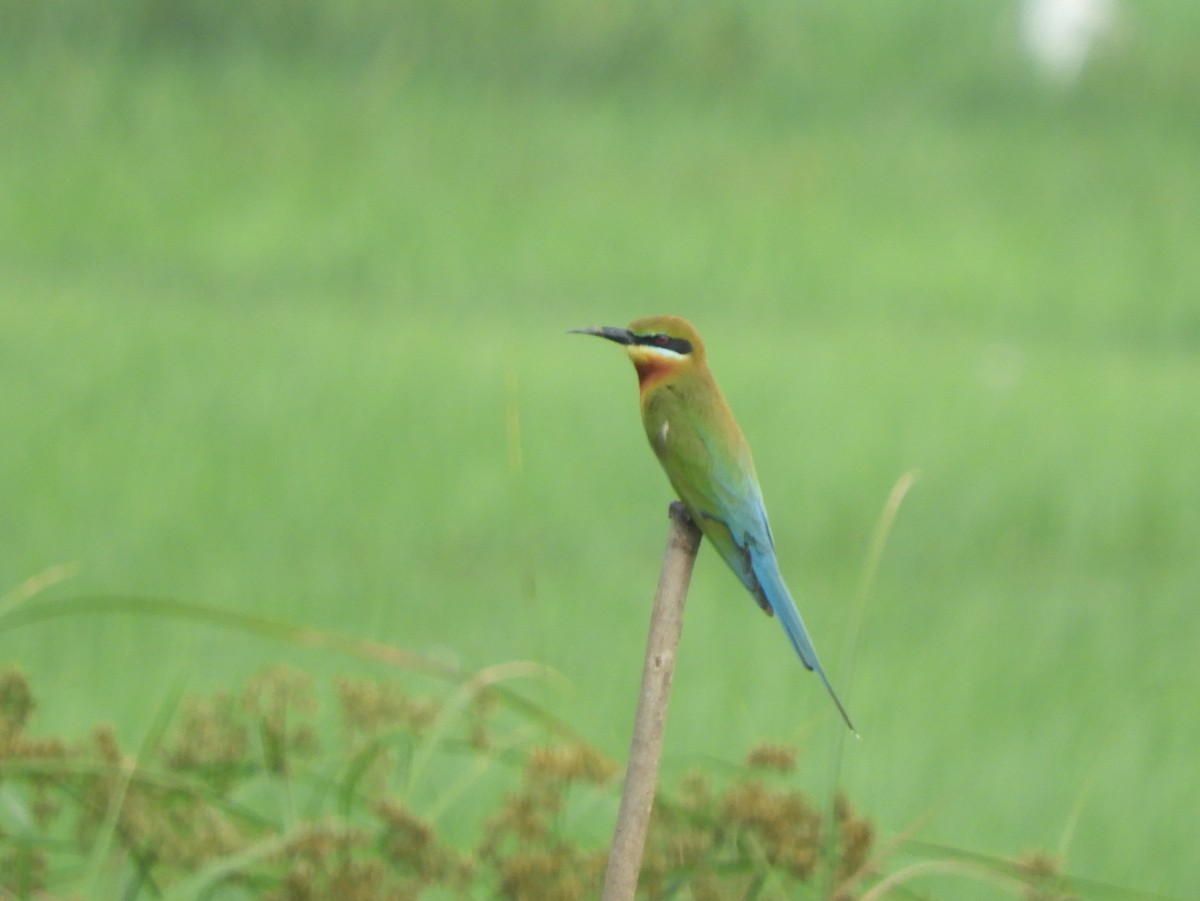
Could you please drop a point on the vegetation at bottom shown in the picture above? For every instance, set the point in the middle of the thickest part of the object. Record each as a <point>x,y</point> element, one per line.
<point>247,794</point>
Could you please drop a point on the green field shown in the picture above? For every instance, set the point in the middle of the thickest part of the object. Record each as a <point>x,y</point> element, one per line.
<point>282,330</point>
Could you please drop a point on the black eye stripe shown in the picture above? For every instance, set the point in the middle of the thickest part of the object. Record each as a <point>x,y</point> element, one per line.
<point>678,345</point>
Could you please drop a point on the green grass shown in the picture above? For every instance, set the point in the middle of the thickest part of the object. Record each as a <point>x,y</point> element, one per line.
<point>272,322</point>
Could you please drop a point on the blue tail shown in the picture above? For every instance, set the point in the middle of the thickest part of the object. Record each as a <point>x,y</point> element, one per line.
<point>766,570</point>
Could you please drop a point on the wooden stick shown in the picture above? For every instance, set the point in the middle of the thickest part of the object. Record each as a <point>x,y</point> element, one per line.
<point>641,774</point>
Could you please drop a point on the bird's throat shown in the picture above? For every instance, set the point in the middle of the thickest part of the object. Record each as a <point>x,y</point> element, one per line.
<point>650,371</point>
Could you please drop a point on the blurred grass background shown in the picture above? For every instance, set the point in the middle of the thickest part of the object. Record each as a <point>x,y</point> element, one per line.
<point>281,326</point>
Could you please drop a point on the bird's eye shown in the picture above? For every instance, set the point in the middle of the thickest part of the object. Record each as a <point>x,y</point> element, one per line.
<point>662,340</point>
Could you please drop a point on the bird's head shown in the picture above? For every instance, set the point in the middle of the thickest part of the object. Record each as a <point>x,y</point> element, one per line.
<point>659,346</point>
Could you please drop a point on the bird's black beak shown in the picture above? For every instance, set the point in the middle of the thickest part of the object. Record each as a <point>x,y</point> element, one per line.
<point>612,333</point>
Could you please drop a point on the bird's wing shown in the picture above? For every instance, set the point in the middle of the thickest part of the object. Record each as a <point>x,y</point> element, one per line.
<point>729,507</point>
<point>724,496</point>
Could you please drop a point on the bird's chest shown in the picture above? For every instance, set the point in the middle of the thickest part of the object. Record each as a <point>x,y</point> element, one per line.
<point>660,437</point>
<point>656,418</point>
<point>669,429</point>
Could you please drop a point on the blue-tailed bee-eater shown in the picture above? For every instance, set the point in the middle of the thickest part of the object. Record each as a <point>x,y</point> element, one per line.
<point>699,444</point>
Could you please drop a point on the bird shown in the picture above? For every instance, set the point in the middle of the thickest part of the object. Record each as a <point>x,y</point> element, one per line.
<point>707,460</point>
